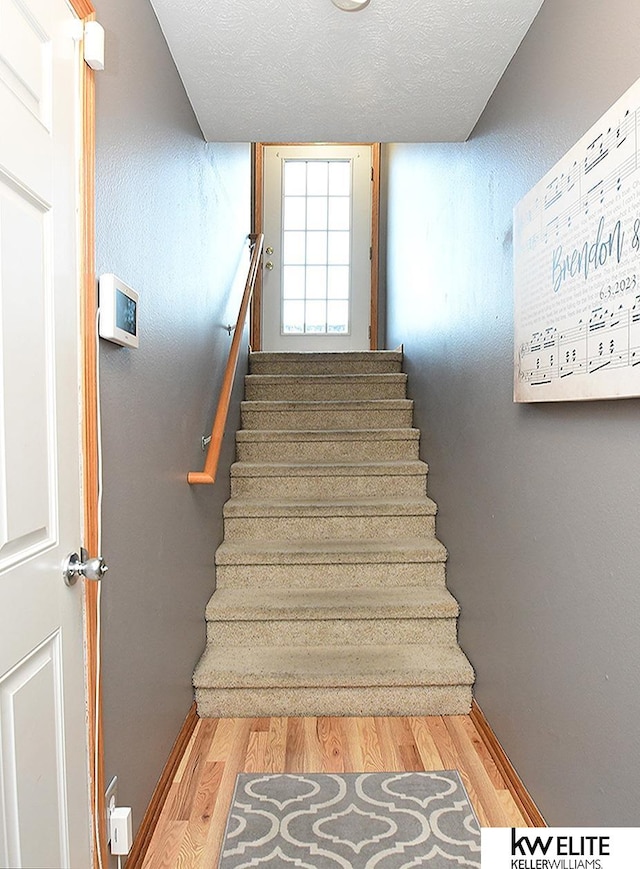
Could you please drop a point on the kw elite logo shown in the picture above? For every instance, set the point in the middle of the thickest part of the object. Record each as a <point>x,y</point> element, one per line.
<point>555,848</point>
<point>570,852</point>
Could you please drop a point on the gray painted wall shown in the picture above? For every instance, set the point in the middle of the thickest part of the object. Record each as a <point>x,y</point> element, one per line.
<point>538,504</point>
<point>172,214</point>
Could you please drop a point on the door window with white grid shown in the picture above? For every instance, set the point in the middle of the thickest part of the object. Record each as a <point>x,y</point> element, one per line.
<point>316,286</point>
<point>316,246</point>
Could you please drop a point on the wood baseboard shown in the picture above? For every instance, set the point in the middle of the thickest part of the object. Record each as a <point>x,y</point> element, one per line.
<point>158,799</point>
<point>518,791</point>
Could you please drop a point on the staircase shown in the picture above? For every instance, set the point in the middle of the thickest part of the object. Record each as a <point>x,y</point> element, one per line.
<point>331,596</point>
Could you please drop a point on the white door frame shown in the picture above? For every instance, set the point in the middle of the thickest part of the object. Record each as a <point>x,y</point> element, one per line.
<point>258,205</point>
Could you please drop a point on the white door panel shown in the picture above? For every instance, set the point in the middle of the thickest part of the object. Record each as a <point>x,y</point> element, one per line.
<point>35,740</point>
<point>316,284</point>
<point>26,71</point>
<point>27,460</point>
<point>44,796</point>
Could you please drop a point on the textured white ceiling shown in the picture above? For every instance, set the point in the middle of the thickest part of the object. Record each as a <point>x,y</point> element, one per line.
<point>303,70</point>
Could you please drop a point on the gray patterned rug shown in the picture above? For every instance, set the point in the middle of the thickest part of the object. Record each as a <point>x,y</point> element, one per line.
<point>355,821</point>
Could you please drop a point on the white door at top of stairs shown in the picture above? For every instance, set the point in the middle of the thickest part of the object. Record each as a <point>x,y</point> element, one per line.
<point>316,283</point>
<point>44,770</point>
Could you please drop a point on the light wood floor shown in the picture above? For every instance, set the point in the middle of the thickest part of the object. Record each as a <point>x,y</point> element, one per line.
<point>191,827</point>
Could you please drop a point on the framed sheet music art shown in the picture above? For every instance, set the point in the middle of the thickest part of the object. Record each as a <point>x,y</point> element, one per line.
<point>577,268</point>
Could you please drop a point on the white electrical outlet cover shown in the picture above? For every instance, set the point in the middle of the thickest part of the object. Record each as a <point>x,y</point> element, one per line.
<point>121,830</point>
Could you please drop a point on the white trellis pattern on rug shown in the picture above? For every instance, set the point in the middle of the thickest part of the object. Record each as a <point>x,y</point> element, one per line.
<point>351,821</point>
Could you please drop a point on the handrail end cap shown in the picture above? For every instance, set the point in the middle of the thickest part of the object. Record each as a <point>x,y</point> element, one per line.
<point>194,477</point>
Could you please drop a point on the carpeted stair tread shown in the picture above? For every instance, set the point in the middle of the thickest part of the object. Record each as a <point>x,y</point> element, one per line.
<point>260,507</point>
<point>286,381</point>
<point>399,377</point>
<point>324,387</point>
<point>330,603</point>
<point>363,414</point>
<point>325,363</point>
<point>294,435</point>
<point>326,406</point>
<point>332,667</point>
<point>400,550</point>
<point>293,356</point>
<point>328,469</point>
<point>311,379</point>
<point>337,442</point>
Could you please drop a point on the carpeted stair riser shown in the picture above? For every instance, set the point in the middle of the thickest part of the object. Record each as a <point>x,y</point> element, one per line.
<point>340,680</point>
<point>277,552</point>
<point>343,632</point>
<point>389,486</point>
<point>323,482</point>
<point>296,416</point>
<point>381,362</point>
<point>253,519</point>
<point>327,452</point>
<point>326,527</point>
<point>328,617</point>
<point>359,387</point>
<point>374,701</point>
<point>338,576</point>
<point>326,564</point>
<point>241,508</point>
<point>381,445</point>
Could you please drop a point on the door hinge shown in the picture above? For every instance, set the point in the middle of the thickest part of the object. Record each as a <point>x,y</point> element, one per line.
<point>372,173</point>
<point>371,253</point>
<point>369,333</point>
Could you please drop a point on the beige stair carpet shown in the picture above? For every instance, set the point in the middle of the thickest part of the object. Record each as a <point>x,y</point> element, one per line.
<point>331,595</point>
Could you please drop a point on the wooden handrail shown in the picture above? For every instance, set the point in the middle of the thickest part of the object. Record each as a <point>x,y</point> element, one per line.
<point>208,475</point>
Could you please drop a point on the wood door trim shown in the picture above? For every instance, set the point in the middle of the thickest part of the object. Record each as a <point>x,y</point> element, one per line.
<point>82,8</point>
<point>255,338</point>
<point>518,791</point>
<point>89,398</point>
<point>375,244</point>
<point>161,791</point>
<point>257,172</point>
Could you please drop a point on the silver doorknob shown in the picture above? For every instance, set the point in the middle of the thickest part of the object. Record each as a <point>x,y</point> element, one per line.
<point>81,565</point>
<point>268,266</point>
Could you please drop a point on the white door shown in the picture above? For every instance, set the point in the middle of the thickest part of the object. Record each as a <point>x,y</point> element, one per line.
<point>44,792</point>
<point>316,283</point>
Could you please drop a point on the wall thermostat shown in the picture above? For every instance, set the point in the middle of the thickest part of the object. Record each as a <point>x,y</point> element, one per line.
<point>118,312</point>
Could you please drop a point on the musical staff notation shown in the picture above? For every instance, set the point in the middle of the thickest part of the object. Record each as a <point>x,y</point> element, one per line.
<point>609,159</point>
<point>608,338</point>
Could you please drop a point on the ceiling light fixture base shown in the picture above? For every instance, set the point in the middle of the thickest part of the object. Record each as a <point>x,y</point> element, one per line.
<point>350,5</point>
